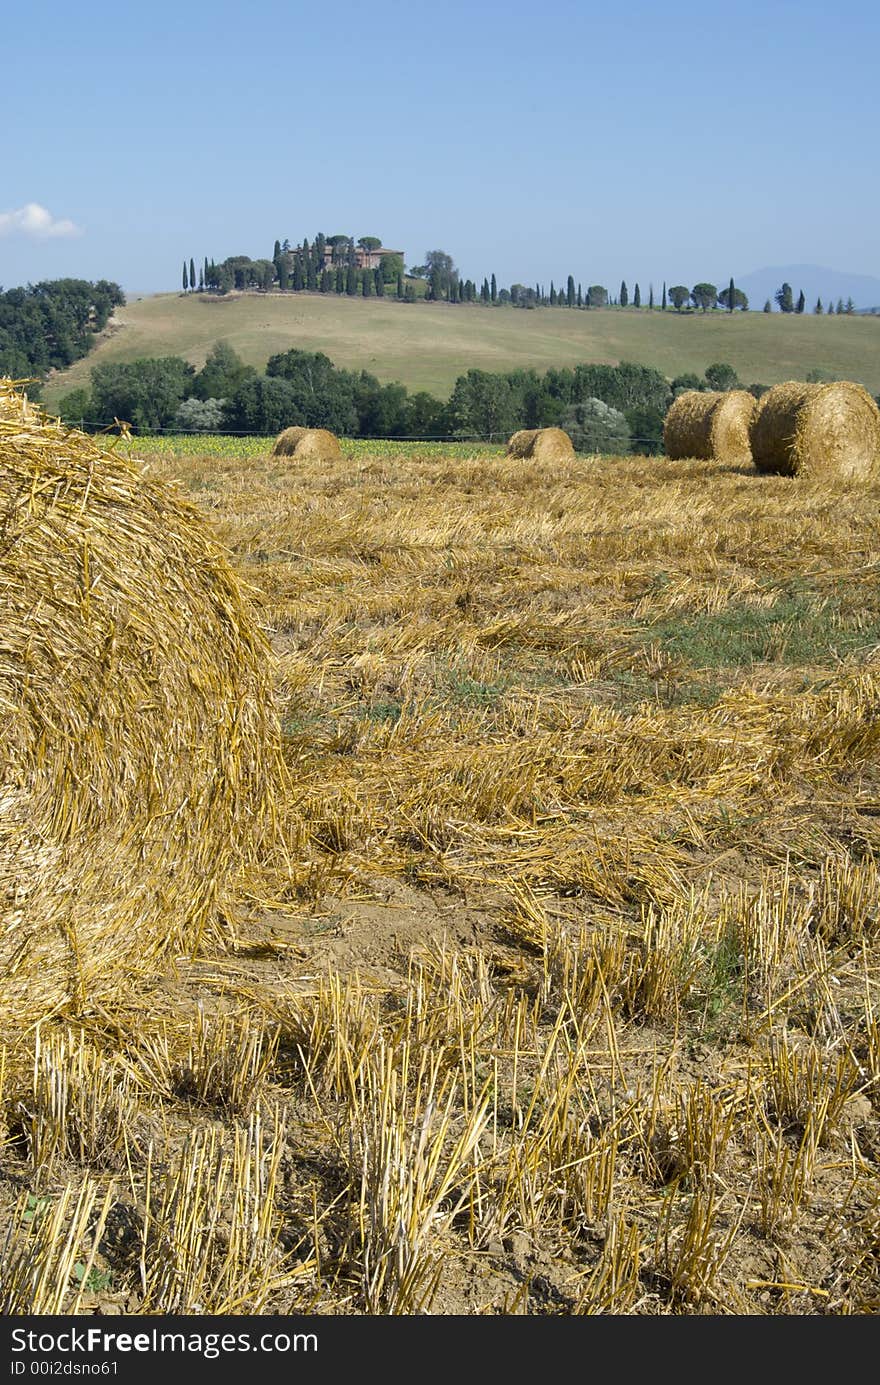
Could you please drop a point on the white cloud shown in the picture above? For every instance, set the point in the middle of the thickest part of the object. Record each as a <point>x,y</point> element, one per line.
<point>34,220</point>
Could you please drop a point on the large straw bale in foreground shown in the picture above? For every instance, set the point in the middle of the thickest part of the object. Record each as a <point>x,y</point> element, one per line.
<point>709,424</point>
<point>541,445</point>
<point>821,430</point>
<point>315,443</point>
<point>139,747</point>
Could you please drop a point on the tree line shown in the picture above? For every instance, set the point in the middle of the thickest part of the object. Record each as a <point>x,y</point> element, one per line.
<point>604,407</point>
<point>329,264</point>
<point>48,326</point>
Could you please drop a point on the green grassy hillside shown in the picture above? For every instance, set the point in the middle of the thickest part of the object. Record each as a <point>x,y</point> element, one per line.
<point>427,345</point>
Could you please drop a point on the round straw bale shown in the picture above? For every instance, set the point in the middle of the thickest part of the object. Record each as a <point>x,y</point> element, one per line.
<point>140,743</point>
<point>831,429</point>
<point>316,443</point>
<point>541,445</point>
<point>709,424</point>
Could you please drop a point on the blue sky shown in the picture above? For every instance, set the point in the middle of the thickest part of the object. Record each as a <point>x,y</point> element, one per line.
<point>640,141</point>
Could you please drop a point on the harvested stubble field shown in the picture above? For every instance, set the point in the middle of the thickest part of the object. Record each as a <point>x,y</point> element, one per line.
<point>560,995</point>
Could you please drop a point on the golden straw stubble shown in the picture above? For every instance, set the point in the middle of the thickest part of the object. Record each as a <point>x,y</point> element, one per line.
<point>828,430</point>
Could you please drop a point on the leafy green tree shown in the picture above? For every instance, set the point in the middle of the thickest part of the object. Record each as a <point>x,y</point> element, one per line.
<point>705,296</point>
<point>482,405</point>
<point>75,408</point>
<point>391,267</point>
<point>624,294</point>
<point>801,302</point>
<point>767,307</point>
<point>594,426</point>
<point>145,393</point>
<point>679,295</point>
<point>597,296</point>
<point>721,376</point>
<point>424,415</point>
<point>441,273</point>
<point>687,381</point>
<point>200,416</point>
<point>369,243</point>
<point>222,373</point>
<point>646,430</point>
<point>785,299</point>
<point>739,300</point>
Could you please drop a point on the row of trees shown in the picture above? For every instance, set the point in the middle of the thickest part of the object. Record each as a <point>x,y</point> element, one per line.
<point>605,408</point>
<point>785,302</point>
<point>329,264</point>
<point>48,326</point>
<point>305,388</point>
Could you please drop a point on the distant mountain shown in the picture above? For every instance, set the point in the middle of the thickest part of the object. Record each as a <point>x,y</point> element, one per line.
<point>816,282</point>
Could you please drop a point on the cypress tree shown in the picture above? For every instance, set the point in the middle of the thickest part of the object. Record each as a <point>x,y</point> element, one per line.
<point>185,278</point>
<point>624,295</point>
<point>325,281</point>
<point>366,282</point>
<point>801,303</point>
<point>553,299</point>
<point>650,298</point>
<point>206,272</point>
<point>201,280</point>
<point>192,272</point>
<point>839,306</point>
<point>818,308</point>
<point>276,253</point>
<point>731,295</point>
<point>569,291</point>
<point>351,283</point>
<point>637,297</point>
<point>493,289</point>
<point>580,299</point>
<point>281,266</point>
<point>400,285</point>
<point>830,308</point>
<point>663,302</point>
<point>379,283</point>
<point>767,307</point>
<point>340,279</point>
